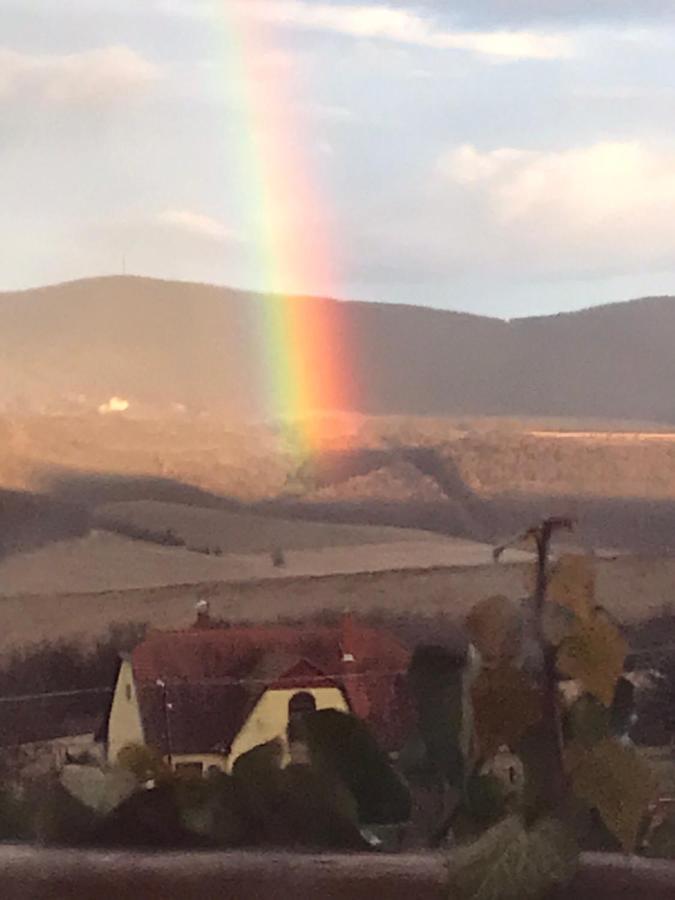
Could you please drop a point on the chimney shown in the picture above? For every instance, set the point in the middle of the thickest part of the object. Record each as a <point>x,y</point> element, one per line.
<point>203,610</point>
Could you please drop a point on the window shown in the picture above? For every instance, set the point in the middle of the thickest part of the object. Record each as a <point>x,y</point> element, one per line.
<point>127,691</point>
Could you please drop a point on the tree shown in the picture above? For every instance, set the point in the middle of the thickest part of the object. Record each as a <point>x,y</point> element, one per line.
<point>343,747</point>
<point>588,782</point>
<point>435,678</point>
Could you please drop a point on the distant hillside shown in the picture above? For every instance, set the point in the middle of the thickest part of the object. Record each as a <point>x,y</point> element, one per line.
<point>481,484</point>
<point>29,520</point>
<point>168,346</point>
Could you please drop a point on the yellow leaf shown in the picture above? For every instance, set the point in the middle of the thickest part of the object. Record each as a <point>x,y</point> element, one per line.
<point>594,654</point>
<point>494,626</point>
<point>506,704</point>
<point>614,780</point>
<point>572,584</point>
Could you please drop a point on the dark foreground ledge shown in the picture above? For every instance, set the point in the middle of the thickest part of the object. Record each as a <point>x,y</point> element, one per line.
<point>28,873</point>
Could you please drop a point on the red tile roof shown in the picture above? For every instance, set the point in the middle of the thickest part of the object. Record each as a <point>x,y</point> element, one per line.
<point>214,677</point>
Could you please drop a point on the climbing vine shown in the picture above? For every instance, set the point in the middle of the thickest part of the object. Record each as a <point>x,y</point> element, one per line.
<point>580,778</point>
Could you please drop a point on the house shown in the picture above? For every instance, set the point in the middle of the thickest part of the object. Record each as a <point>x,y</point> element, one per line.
<point>205,695</point>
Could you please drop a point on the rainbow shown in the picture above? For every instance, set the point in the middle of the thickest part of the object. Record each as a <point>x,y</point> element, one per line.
<point>306,372</point>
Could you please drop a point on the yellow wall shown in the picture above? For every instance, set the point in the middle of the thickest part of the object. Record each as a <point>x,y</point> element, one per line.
<point>125,726</point>
<point>270,717</point>
<point>267,721</point>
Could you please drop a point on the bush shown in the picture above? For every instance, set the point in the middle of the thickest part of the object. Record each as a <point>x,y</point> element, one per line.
<point>60,818</point>
<point>145,763</point>
<point>64,665</point>
<point>344,747</point>
<point>435,679</point>
<point>15,821</point>
<point>150,819</point>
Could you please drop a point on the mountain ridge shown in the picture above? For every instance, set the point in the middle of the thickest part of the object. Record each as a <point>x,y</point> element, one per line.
<point>246,292</point>
<point>186,346</point>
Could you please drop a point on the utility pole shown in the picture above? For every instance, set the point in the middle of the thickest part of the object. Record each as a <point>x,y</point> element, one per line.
<point>552,731</point>
<point>167,724</point>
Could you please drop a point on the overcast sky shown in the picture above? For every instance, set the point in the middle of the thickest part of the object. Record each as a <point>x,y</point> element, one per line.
<point>507,157</point>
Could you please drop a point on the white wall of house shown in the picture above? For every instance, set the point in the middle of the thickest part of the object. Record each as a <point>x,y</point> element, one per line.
<point>125,725</point>
<point>269,718</point>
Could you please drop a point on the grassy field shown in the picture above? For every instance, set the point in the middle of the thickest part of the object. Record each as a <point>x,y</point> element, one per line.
<point>632,589</point>
<point>104,561</point>
<point>240,532</point>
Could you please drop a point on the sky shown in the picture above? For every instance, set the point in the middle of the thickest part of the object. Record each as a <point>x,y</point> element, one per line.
<point>505,157</point>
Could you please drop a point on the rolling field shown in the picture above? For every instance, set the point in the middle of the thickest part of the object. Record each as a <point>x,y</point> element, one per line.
<point>631,588</point>
<point>109,562</point>
<point>241,532</point>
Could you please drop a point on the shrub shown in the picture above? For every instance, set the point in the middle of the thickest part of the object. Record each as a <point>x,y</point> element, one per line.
<point>145,763</point>
<point>343,745</point>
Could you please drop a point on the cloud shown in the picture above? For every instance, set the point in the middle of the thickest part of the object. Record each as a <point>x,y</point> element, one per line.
<point>570,12</point>
<point>195,224</point>
<point>589,185</point>
<point>385,22</point>
<point>603,205</point>
<point>101,75</point>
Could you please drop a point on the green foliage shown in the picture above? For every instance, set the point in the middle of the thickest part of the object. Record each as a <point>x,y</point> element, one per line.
<point>226,827</point>
<point>342,746</point>
<point>305,805</point>
<point>435,679</point>
<point>15,819</point>
<point>588,721</point>
<point>510,862</point>
<point>615,781</point>
<point>208,809</point>
<point>572,585</point>
<point>319,811</point>
<point>506,705</point>
<point>495,625</point>
<point>557,623</point>
<point>485,799</point>
<point>259,768</point>
<point>605,787</point>
<point>145,763</point>
<point>60,818</point>
<point>64,665</point>
<point>539,751</point>
<point>611,779</point>
<point>149,819</point>
<point>257,781</point>
<point>594,653</point>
